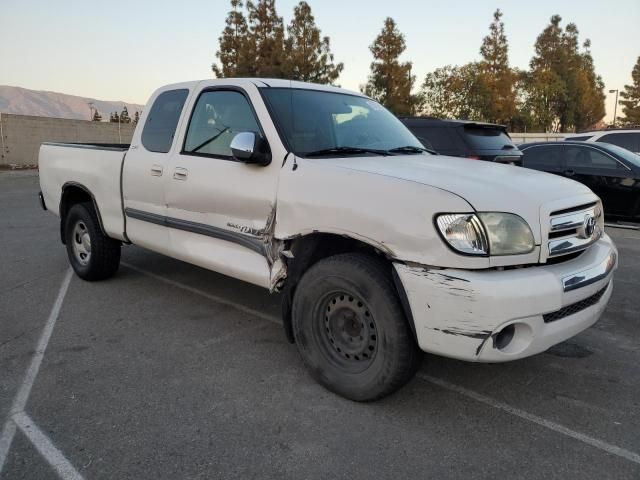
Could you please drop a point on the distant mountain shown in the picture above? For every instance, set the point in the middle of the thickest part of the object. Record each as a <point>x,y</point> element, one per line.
<point>23,101</point>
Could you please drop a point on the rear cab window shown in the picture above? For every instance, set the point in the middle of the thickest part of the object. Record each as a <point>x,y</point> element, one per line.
<point>162,120</point>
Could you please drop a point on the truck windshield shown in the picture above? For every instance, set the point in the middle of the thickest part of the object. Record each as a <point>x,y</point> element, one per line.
<point>319,123</point>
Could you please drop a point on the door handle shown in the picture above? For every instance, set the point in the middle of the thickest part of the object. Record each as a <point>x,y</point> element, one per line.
<point>156,170</point>
<point>180,173</point>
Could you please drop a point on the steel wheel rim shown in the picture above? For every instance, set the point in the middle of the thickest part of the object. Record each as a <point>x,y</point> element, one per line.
<point>348,332</point>
<point>81,243</point>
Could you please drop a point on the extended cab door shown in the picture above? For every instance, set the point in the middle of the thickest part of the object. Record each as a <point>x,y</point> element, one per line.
<point>222,211</point>
<point>146,169</point>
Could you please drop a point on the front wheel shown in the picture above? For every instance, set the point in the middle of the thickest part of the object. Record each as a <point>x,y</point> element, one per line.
<point>350,328</point>
<point>93,255</point>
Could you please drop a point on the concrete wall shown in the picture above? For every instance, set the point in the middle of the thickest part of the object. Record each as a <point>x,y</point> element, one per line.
<point>21,136</point>
<point>536,137</point>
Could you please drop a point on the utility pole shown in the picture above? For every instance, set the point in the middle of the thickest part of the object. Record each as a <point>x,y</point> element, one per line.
<point>90,110</point>
<point>615,107</point>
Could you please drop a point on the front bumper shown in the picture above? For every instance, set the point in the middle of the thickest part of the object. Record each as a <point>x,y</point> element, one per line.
<point>464,314</point>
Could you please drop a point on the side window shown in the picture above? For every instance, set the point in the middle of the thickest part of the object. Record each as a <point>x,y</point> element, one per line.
<point>630,141</point>
<point>543,158</point>
<point>218,116</point>
<point>160,126</point>
<point>589,158</point>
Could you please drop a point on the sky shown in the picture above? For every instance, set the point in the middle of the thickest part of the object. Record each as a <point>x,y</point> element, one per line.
<point>123,50</point>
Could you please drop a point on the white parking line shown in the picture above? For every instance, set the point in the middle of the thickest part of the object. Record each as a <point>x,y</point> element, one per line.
<point>543,422</point>
<point>52,455</point>
<point>20,400</point>
<point>215,298</point>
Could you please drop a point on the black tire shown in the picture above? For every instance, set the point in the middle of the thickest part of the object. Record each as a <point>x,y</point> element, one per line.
<point>363,349</point>
<point>103,258</point>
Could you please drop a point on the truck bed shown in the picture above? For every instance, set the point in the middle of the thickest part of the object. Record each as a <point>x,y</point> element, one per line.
<point>94,167</point>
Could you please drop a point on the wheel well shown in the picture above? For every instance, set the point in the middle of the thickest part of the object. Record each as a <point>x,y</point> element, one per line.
<point>73,194</point>
<point>308,250</point>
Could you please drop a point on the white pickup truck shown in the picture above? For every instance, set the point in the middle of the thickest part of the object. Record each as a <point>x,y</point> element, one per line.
<point>380,247</point>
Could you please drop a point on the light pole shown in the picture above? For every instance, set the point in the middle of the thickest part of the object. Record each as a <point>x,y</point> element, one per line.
<point>90,110</point>
<point>615,107</point>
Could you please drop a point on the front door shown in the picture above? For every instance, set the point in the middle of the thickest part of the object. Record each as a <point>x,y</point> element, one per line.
<point>220,210</point>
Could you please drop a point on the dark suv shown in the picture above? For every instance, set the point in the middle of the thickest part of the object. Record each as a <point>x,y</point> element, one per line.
<point>460,138</point>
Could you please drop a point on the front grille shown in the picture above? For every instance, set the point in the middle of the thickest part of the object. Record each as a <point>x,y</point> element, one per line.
<point>575,307</point>
<point>574,229</point>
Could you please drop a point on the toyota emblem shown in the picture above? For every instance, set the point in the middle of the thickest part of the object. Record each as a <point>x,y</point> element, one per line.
<point>588,226</point>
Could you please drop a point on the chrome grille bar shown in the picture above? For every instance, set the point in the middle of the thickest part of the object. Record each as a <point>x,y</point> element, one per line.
<point>582,227</point>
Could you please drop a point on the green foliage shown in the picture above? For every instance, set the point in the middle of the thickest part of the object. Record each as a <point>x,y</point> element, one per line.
<point>136,118</point>
<point>235,55</point>
<point>266,39</point>
<point>390,81</point>
<point>564,93</point>
<point>631,99</point>
<point>496,80</point>
<point>309,56</point>
<point>114,118</point>
<point>256,45</point>
<point>96,116</point>
<point>454,92</point>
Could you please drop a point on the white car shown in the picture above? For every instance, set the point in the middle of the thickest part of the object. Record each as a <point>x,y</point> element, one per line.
<point>381,248</point>
<point>629,139</point>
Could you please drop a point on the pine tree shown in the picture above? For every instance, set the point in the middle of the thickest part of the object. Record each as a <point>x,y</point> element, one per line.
<point>390,81</point>
<point>234,46</point>
<point>496,77</point>
<point>309,56</point>
<point>136,118</point>
<point>564,92</point>
<point>631,99</point>
<point>266,39</point>
<point>124,115</point>
<point>115,118</point>
<point>96,116</point>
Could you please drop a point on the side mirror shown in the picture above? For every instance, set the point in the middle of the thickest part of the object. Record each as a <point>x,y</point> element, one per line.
<point>247,147</point>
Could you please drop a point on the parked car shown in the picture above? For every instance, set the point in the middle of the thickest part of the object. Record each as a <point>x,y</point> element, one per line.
<point>610,171</point>
<point>380,248</point>
<point>625,138</point>
<point>460,138</point>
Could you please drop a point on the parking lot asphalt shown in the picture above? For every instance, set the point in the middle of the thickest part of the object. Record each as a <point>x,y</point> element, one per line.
<point>171,371</point>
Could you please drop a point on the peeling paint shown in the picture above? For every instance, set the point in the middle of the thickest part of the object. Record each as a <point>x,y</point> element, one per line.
<point>479,334</point>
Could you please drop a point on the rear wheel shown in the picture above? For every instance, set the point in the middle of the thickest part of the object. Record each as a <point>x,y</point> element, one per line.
<point>350,328</point>
<point>93,255</point>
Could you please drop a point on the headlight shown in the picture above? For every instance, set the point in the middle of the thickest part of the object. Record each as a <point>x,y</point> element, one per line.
<point>486,233</point>
<point>464,233</point>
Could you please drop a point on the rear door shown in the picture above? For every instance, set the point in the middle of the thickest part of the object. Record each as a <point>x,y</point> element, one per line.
<point>602,173</point>
<point>145,170</point>
<point>443,139</point>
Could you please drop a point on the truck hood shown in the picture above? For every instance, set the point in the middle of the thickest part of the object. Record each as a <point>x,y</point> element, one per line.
<point>486,186</point>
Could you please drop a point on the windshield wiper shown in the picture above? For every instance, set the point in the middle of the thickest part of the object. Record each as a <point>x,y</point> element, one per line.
<point>345,151</point>
<point>208,141</point>
<point>412,149</point>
